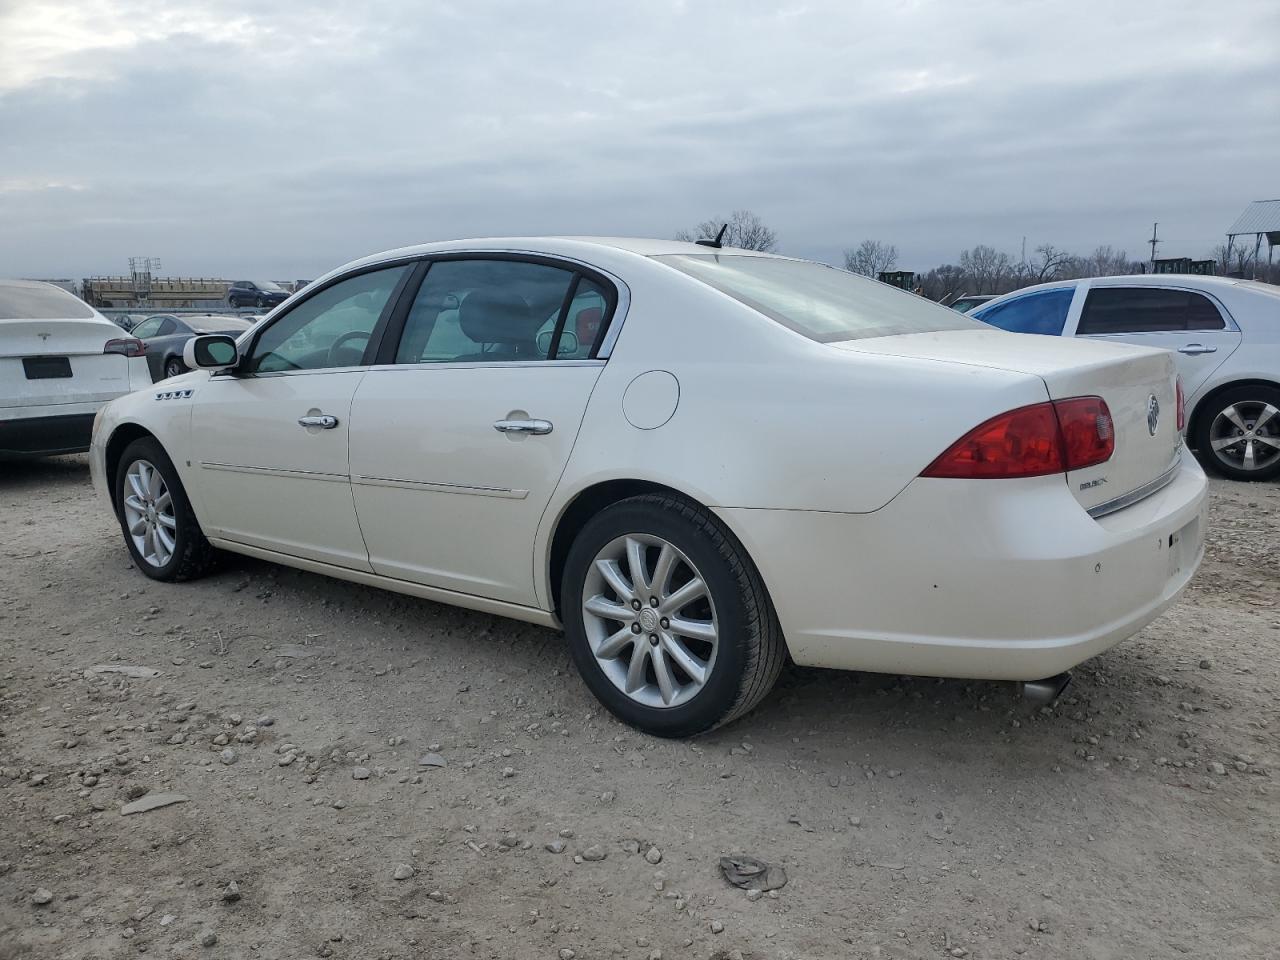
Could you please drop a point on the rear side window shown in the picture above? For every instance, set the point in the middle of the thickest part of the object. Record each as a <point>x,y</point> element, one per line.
<point>817,301</point>
<point>1044,312</point>
<point>1147,310</point>
<point>471,311</point>
<point>40,301</point>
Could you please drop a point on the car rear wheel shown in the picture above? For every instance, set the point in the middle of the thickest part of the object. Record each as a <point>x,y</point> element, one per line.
<point>160,528</point>
<point>667,618</point>
<point>173,367</point>
<point>1238,435</point>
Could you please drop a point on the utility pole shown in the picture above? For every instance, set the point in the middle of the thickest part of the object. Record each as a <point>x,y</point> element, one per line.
<point>1153,241</point>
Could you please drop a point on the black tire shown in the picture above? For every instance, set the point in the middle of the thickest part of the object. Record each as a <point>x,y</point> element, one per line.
<point>192,556</point>
<point>261,302</point>
<point>751,649</point>
<point>173,367</point>
<point>1249,398</point>
<point>233,302</point>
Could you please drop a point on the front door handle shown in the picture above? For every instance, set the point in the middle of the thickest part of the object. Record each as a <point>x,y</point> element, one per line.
<point>1195,349</point>
<point>536,427</point>
<point>324,421</point>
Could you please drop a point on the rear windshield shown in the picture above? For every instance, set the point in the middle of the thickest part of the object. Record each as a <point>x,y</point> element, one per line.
<point>40,301</point>
<point>820,302</point>
<point>217,324</point>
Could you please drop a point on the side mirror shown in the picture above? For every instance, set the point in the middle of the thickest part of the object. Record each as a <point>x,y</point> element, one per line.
<point>217,351</point>
<point>568,342</point>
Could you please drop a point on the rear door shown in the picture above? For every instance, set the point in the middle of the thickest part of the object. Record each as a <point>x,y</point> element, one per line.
<point>460,438</point>
<point>1188,322</point>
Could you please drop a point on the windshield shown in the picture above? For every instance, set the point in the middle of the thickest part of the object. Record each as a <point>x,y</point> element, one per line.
<point>218,324</point>
<point>820,302</point>
<point>270,286</point>
<point>30,300</point>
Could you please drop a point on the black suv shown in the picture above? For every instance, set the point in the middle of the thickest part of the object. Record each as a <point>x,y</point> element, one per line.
<point>256,293</point>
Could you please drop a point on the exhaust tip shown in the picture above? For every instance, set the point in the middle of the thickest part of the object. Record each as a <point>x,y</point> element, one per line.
<point>1046,691</point>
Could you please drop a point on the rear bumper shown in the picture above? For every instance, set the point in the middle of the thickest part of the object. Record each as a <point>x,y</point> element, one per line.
<point>41,436</point>
<point>989,579</point>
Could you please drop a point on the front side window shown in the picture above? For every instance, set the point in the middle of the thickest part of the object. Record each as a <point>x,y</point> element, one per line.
<point>1043,313</point>
<point>817,301</point>
<point>479,310</point>
<point>330,329</point>
<point>1147,310</point>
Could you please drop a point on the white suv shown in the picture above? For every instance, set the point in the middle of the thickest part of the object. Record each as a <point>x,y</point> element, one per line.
<point>1225,335</point>
<point>60,361</point>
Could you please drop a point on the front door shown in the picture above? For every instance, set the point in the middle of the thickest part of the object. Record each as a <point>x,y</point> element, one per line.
<point>270,442</point>
<point>1184,321</point>
<point>457,446</point>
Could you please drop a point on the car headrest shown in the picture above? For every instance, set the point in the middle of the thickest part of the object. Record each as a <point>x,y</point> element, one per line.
<point>497,316</point>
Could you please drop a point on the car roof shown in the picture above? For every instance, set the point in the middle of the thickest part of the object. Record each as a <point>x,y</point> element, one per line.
<point>566,246</point>
<point>1140,280</point>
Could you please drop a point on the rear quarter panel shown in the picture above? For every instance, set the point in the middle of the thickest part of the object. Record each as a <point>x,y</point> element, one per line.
<point>766,418</point>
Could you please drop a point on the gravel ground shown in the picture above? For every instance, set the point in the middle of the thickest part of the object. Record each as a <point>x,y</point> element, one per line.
<point>914,817</point>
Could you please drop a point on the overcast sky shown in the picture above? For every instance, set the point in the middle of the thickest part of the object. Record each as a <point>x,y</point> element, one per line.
<point>280,139</point>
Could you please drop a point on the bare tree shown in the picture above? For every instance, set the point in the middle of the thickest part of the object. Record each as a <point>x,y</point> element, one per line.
<point>746,231</point>
<point>1048,263</point>
<point>1107,262</point>
<point>871,258</point>
<point>944,283</point>
<point>987,268</point>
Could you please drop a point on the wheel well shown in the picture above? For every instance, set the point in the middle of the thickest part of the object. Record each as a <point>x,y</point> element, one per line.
<point>581,509</point>
<point>1204,403</point>
<point>125,434</point>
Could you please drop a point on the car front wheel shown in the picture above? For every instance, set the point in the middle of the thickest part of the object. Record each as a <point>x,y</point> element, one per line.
<point>1238,435</point>
<point>160,528</point>
<point>667,618</point>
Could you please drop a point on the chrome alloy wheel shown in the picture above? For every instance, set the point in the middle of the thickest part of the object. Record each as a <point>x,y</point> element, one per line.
<point>148,513</point>
<point>650,620</point>
<point>1246,435</point>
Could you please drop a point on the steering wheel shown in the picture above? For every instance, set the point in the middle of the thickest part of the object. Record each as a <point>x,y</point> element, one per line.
<point>332,359</point>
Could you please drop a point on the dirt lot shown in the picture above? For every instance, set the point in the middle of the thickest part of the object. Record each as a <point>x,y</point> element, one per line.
<point>914,817</point>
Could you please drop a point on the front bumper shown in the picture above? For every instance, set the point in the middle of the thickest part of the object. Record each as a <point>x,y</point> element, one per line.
<point>988,579</point>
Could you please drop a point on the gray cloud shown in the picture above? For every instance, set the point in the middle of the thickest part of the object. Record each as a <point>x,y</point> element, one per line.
<point>237,137</point>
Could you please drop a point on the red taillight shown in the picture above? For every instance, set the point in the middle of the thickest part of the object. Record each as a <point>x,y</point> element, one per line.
<point>1182,408</point>
<point>1032,441</point>
<point>126,346</point>
<point>1088,435</point>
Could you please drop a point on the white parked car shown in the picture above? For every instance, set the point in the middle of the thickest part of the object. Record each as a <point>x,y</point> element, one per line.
<point>60,360</point>
<point>1225,335</point>
<point>698,461</point>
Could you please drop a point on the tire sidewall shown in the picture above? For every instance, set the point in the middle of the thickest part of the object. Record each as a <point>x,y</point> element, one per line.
<point>175,363</point>
<point>722,690</point>
<point>151,451</point>
<point>1204,424</point>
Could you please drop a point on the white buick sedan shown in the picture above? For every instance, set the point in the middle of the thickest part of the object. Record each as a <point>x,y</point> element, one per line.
<point>697,461</point>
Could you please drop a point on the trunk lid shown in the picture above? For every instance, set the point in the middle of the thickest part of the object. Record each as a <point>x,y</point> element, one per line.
<point>94,376</point>
<point>1137,383</point>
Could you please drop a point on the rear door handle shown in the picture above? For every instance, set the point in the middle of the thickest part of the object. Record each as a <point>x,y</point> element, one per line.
<point>324,421</point>
<point>1195,349</point>
<point>536,427</point>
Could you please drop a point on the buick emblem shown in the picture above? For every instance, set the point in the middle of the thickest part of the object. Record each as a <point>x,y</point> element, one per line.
<point>1153,414</point>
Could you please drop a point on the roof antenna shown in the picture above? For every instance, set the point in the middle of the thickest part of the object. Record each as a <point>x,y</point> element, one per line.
<point>716,242</point>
